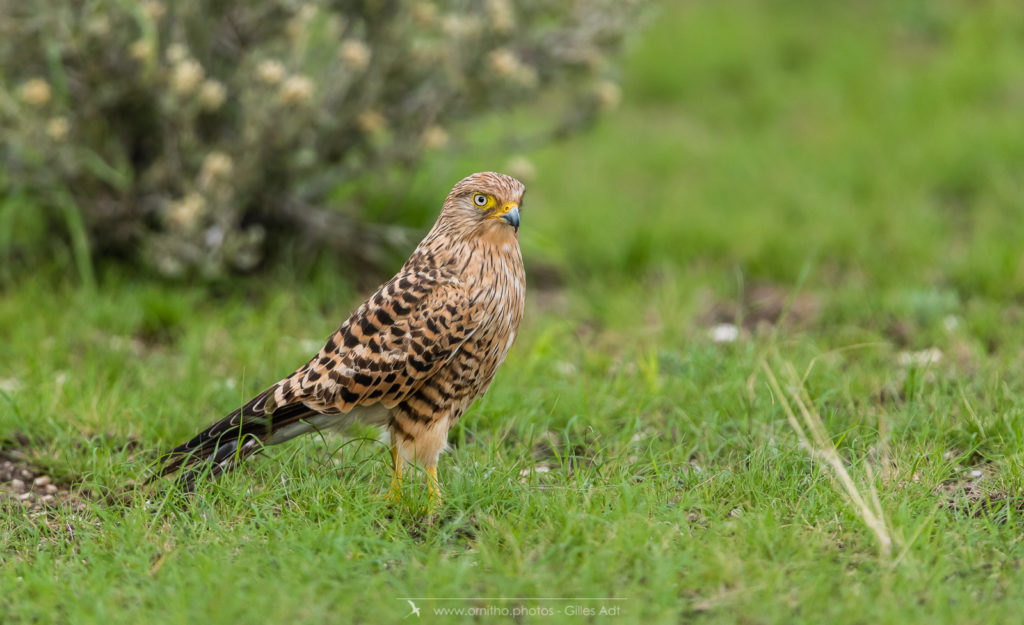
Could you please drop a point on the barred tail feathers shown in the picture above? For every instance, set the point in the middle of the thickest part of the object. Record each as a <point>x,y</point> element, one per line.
<point>219,448</point>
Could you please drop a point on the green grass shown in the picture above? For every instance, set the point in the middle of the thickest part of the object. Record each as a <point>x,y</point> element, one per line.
<point>854,166</point>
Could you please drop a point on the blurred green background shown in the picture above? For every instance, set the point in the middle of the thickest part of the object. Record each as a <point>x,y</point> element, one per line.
<point>825,190</point>
<point>865,144</point>
<point>876,146</point>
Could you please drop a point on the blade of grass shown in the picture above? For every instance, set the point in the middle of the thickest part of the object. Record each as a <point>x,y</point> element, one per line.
<point>814,438</point>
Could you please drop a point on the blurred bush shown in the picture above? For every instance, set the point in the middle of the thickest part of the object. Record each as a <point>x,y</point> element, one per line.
<point>198,137</point>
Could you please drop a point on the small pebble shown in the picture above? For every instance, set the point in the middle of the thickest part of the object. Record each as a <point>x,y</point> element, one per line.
<point>41,481</point>
<point>724,333</point>
<point>24,496</point>
<point>47,499</point>
<point>17,484</point>
<point>50,488</point>
<point>976,473</point>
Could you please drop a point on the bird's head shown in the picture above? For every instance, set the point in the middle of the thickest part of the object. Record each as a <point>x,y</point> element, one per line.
<point>486,203</point>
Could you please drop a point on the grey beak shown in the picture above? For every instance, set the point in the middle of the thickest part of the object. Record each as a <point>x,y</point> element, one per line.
<point>512,217</point>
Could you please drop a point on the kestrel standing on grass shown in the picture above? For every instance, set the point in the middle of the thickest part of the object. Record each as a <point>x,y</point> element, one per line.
<point>411,358</point>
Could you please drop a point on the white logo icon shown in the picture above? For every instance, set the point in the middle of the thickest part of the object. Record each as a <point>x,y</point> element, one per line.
<point>415,610</point>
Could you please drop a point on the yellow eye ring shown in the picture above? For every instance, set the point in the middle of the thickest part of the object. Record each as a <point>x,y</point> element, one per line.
<point>480,199</point>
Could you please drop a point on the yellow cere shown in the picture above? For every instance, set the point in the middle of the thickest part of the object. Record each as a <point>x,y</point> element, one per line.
<point>504,210</point>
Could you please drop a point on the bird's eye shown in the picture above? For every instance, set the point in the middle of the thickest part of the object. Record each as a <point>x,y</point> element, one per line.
<point>480,199</point>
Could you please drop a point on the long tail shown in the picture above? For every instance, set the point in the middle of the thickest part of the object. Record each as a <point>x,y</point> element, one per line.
<point>220,447</point>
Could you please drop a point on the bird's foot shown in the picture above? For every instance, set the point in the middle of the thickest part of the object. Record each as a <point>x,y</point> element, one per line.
<point>394,493</point>
<point>435,490</point>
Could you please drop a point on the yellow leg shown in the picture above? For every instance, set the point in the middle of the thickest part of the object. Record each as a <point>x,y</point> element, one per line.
<point>433,487</point>
<point>395,492</point>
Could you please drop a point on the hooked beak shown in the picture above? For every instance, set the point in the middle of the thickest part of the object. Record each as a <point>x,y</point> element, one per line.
<point>512,217</point>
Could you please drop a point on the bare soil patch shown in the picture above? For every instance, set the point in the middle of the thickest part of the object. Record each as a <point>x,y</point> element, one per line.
<point>25,486</point>
<point>767,304</point>
<point>978,493</point>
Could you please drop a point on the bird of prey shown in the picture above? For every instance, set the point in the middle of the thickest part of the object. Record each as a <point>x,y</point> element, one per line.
<point>411,359</point>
